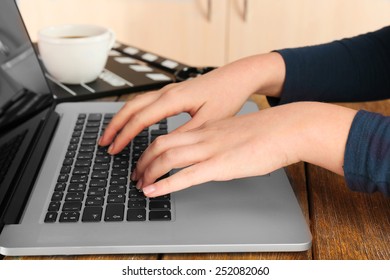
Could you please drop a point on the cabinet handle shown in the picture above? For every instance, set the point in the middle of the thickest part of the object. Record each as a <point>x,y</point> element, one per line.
<point>209,10</point>
<point>245,10</point>
<point>206,8</point>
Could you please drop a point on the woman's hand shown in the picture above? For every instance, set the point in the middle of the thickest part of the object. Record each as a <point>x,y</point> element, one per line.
<point>248,145</point>
<point>213,96</point>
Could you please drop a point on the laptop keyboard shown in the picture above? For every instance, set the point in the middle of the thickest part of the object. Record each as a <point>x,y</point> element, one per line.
<point>94,186</point>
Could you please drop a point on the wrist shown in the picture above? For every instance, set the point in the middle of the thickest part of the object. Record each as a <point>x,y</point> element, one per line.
<point>262,74</point>
<point>324,129</point>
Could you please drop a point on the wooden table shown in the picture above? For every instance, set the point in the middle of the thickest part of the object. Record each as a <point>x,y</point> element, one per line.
<point>344,224</point>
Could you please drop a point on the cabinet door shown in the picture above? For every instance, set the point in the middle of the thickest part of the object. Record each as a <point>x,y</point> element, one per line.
<point>258,26</point>
<point>190,31</point>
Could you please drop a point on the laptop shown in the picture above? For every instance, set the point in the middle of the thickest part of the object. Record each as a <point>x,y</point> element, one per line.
<point>60,194</point>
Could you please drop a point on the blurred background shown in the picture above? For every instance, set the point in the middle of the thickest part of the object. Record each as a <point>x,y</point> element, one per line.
<point>214,32</point>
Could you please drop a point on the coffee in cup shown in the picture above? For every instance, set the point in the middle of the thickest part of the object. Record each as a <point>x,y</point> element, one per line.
<point>75,53</point>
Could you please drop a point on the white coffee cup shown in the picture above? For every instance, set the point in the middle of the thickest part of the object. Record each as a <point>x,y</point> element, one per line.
<point>75,53</point>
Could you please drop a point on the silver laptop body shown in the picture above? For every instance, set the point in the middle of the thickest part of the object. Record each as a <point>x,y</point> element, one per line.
<point>245,215</point>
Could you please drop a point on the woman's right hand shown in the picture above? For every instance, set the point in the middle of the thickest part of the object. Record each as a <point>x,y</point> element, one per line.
<point>213,96</point>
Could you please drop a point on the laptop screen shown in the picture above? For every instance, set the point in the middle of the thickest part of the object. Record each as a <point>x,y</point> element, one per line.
<point>22,83</point>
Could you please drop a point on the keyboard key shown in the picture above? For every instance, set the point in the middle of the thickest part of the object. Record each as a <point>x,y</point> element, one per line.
<point>163,197</point>
<point>91,130</point>
<point>117,190</point>
<point>65,169</point>
<point>135,193</point>
<point>99,174</point>
<point>71,206</point>
<point>79,122</point>
<point>76,133</point>
<point>108,116</point>
<point>68,161</point>
<point>135,203</point>
<point>54,206</point>
<point>83,163</point>
<point>160,216</point>
<point>116,198</point>
<point>96,183</point>
<point>74,187</point>
<point>57,196</point>
<point>90,136</point>
<point>87,149</point>
<point>79,179</point>
<point>136,215</point>
<point>70,154</point>
<point>51,217</point>
<point>101,166</point>
<point>94,201</point>
<point>159,205</point>
<point>60,187</point>
<point>78,127</point>
<point>103,159</point>
<point>63,178</point>
<point>94,117</point>
<point>84,156</point>
<point>69,217</point>
<point>120,172</point>
<point>72,147</point>
<point>120,164</point>
<point>88,142</point>
<point>74,197</point>
<point>92,214</point>
<point>81,170</point>
<point>118,181</point>
<point>120,157</point>
<point>143,134</point>
<point>74,140</point>
<point>158,132</point>
<point>114,212</point>
<point>96,191</point>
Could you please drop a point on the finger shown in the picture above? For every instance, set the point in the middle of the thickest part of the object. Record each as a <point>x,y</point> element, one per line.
<point>165,106</point>
<point>190,176</point>
<point>125,113</point>
<point>178,157</point>
<point>160,145</point>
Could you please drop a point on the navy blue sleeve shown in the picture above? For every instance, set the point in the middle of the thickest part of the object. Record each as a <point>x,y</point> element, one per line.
<point>367,154</point>
<point>348,70</point>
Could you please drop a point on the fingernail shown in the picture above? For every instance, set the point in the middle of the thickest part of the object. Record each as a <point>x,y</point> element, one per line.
<point>100,140</point>
<point>139,184</point>
<point>149,189</point>
<point>110,148</point>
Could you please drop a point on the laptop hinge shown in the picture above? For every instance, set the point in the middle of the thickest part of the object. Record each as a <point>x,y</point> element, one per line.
<point>30,170</point>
